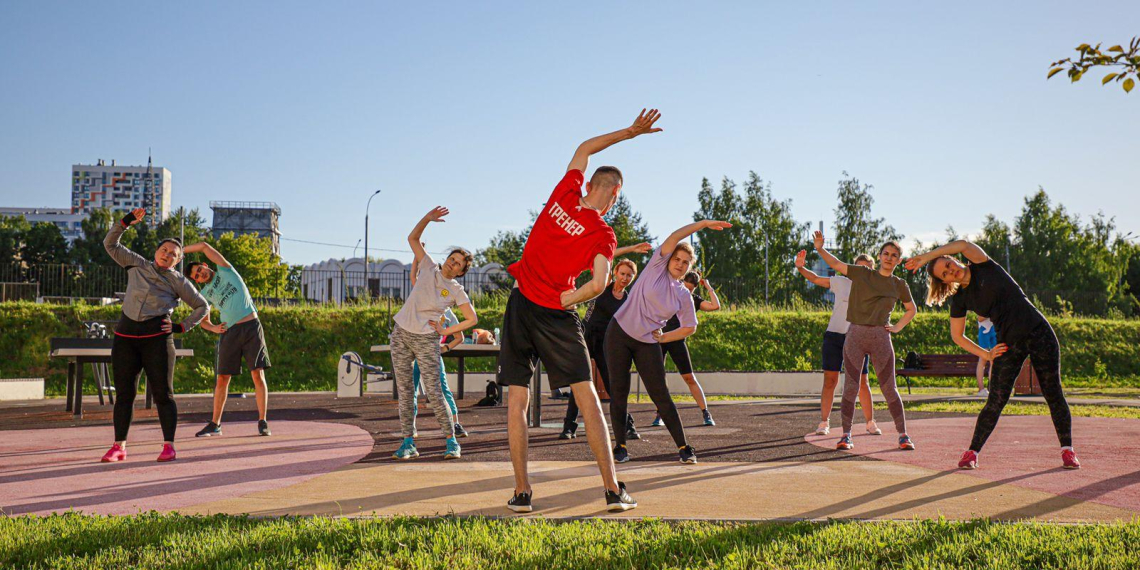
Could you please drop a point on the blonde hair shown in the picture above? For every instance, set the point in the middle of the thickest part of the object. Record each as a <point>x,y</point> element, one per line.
<point>685,247</point>
<point>629,262</point>
<point>938,290</point>
<point>865,257</point>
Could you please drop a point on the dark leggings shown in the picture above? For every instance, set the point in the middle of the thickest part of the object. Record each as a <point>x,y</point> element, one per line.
<point>595,342</point>
<point>1044,352</point>
<point>623,350</point>
<point>155,355</point>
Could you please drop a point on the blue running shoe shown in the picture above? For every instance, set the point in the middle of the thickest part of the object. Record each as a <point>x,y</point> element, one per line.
<point>845,442</point>
<point>657,421</point>
<point>407,449</point>
<point>905,442</point>
<point>452,449</point>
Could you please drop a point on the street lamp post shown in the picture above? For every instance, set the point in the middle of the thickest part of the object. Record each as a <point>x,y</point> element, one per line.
<point>367,285</point>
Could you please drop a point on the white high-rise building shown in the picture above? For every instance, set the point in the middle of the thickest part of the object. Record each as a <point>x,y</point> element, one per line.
<point>121,188</point>
<point>70,225</point>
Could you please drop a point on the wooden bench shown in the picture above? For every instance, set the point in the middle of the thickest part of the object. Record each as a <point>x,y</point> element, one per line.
<point>966,364</point>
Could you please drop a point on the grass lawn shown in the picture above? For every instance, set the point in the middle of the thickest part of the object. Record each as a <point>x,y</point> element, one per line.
<point>173,541</point>
<point>1020,409</point>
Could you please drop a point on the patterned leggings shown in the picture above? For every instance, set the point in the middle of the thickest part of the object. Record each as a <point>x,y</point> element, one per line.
<point>408,348</point>
<point>873,341</point>
<point>1044,352</point>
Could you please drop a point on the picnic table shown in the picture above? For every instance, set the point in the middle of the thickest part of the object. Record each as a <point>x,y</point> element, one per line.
<point>83,351</point>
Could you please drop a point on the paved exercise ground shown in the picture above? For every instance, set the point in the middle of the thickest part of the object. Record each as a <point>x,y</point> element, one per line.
<point>756,463</point>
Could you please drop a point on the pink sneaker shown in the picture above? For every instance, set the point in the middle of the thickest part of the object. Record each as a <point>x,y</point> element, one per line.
<point>1069,459</point>
<point>116,453</point>
<point>969,460</point>
<point>167,452</point>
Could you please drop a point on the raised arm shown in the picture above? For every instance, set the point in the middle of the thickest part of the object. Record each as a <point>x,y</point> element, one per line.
<point>957,330</point>
<point>118,252</point>
<point>435,215</point>
<point>830,260</point>
<point>713,302</point>
<point>675,238</point>
<point>808,274</point>
<point>600,276</point>
<point>643,247</point>
<point>642,125</point>
<point>967,248</point>
<point>415,269</point>
<point>211,253</point>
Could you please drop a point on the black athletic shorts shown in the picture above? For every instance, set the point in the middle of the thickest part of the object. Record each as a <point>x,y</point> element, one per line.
<point>679,351</point>
<point>244,341</point>
<point>532,332</point>
<point>833,353</point>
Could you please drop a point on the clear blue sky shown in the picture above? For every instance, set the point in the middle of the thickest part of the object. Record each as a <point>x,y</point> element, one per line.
<point>479,106</point>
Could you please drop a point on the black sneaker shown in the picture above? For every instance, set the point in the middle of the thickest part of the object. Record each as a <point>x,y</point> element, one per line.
<point>621,454</point>
<point>688,454</point>
<point>263,428</point>
<point>559,395</point>
<point>708,418</point>
<point>568,430</point>
<point>459,431</point>
<point>210,430</point>
<point>631,431</point>
<point>620,501</point>
<point>520,503</point>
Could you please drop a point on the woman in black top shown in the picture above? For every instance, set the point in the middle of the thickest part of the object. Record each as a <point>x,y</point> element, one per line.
<point>679,350</point>
<point>598,317</point>
<point>985,288</point>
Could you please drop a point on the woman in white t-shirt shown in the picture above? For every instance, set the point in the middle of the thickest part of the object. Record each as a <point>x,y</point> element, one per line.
<point>833,345</point>
<point>417,332</point>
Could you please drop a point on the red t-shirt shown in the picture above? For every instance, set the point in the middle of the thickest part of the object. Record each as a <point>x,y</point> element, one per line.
<point>563,243</point>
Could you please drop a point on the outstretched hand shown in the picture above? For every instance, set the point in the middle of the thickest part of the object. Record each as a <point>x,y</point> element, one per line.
<point>801,258</point>
<point>437,214</point>
<point>817,239</point>
<point>717,225</point>
<point>643,247</point>
<point>644,123</point>
<point>915,263</point>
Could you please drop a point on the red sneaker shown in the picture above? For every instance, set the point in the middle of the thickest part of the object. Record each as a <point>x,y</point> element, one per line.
<point>1069,459</point>
<point>905,442</point>
<point>969,460</point>
<point>167,452</point>
<point>845,442</point>
<point>116,453</point>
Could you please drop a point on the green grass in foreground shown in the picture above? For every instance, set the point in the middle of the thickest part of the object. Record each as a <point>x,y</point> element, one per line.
<point>173,541</point>
<point>1021,409</point>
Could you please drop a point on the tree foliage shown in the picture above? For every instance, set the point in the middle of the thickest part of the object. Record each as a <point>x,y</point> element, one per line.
<point>856,230</point>
<point>1126,64</point>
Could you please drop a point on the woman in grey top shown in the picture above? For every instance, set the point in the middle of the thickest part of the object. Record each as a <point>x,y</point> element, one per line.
<point>143,336</point>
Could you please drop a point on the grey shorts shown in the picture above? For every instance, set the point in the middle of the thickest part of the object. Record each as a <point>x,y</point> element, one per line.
<point>245,341</point>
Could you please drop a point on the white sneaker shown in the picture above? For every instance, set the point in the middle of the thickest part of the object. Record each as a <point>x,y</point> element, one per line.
<point>873,428</point>
<point>983,393</point>
<point>823,429</point>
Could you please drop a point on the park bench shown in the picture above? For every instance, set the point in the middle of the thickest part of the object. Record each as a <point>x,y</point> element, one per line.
<point>964,364</point>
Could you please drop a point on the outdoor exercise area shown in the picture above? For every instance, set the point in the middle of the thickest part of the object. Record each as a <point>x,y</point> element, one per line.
<point>332,457</point>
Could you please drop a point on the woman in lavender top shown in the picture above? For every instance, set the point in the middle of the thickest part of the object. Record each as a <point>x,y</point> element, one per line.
<point>634,335</point>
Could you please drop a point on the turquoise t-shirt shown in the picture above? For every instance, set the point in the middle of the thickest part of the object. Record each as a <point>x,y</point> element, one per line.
<point>228,293</point>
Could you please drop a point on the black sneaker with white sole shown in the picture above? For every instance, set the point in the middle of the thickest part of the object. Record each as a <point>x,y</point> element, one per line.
<point>459,431</point>
<point>211,429</point>
<point>263,428</point>
<point>569,430</point>
<point>708,418</point>
<point>520,503</point>
<point>631,433</point>
<point>688,454</point>
<point>620,501</point>
<point>621,454</point>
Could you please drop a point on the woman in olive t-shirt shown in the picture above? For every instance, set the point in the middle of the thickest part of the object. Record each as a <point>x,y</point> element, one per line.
<point>985,288</point>
<point>873,296</point>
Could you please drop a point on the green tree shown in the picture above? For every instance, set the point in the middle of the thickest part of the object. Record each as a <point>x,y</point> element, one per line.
<point>506,246</point>
<point>722,254</point>
<point>629,228</point>
<point>12,231</point>
<point>252,257</point>
<point>1125,63</point>
<point>773,236</point>
<point>856,231</point>
<point>44,244</point>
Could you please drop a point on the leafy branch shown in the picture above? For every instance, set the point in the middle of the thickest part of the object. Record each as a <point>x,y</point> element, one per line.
<point>1127,64</point>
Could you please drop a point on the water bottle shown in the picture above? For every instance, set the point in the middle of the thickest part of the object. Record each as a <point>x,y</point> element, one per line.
<point>496,339</point>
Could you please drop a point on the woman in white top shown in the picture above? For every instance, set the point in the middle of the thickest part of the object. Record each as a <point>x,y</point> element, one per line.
<point>833,345</point>
<point>416,334</point>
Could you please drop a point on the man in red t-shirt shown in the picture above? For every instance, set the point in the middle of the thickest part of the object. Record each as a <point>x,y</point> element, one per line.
<point>540,322</point>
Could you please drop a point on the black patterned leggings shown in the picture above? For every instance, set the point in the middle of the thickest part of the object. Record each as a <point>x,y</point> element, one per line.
<point>1044,352</point>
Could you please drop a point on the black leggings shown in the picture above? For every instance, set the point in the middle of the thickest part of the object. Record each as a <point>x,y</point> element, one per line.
<point>595,342</point>
<point>1044,352</point>
<point>155,355</point>
<point>623,350</point>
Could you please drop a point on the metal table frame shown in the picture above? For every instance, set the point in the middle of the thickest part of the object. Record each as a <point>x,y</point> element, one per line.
<point>80,353</point>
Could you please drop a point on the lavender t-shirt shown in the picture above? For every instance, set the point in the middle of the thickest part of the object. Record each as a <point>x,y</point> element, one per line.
<point>655,297</point>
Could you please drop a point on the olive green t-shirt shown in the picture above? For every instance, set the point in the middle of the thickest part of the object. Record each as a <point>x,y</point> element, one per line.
<point>873,295</point>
